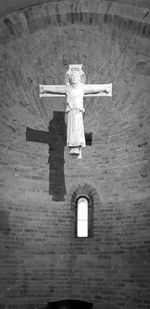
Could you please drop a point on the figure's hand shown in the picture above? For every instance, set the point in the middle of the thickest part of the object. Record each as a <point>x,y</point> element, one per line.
<point>105,91</point>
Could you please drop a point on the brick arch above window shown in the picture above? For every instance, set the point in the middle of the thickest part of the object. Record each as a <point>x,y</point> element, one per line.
<point>86,190</point>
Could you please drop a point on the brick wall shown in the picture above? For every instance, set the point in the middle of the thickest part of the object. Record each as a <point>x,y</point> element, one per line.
<point>41,260</point>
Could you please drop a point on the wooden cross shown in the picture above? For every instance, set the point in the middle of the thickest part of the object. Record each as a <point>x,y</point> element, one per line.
<point>75,90</point>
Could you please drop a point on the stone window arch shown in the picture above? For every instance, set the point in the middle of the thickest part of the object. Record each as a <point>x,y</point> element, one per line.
<point>87,194</point>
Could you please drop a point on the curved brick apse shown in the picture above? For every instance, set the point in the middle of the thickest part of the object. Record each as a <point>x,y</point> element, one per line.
<point>42,261</point>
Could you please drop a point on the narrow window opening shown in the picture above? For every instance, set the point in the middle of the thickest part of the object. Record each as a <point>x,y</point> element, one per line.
<point>82,217</point>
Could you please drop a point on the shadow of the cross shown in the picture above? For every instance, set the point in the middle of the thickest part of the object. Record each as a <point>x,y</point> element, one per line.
<point>57,142</point>
<point>56,139</point>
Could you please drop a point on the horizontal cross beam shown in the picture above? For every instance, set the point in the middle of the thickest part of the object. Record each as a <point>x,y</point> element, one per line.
<point>95,87</point>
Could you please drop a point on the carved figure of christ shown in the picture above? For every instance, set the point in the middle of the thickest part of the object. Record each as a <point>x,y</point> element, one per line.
<point>74,91</point>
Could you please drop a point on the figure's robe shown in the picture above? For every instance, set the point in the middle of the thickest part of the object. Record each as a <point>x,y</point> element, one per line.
<point>75,126</point>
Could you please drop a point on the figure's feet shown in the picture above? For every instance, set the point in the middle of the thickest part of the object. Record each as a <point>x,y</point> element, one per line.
<point>75,150</point>
<point>79,156</point>
<point>80,153</point>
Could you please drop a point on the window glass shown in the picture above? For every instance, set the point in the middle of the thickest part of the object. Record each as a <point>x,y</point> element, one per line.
<point>82,218</point>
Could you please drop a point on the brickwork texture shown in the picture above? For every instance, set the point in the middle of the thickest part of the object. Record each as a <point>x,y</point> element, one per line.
<point>41,259</point>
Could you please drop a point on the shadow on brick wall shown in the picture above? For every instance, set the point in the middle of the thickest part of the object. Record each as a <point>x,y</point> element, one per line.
<point>4,222</point>
<point>56,139</point>
<point>57,143</point>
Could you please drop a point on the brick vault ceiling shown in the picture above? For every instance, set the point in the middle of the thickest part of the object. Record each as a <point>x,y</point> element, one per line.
<point>7,6</point>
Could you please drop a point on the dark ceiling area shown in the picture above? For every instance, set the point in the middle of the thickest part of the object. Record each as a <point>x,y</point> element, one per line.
<point>8,6</point>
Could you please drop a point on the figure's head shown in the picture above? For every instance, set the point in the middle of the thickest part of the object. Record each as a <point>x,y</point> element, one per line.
<point>75,75</point>
<point>75,78</point>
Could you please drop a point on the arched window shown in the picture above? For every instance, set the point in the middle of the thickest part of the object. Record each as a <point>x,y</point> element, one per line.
<point>83,201</point>
<point>82,217</point>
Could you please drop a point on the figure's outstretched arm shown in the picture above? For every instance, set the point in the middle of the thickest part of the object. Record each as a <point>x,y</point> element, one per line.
<point>98,90</point>
<point>95,90</point>
<point>52,89</point>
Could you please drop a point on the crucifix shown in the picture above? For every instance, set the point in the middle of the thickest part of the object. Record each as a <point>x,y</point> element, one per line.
<point>75,90</point>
